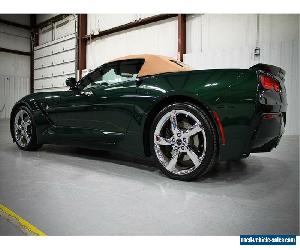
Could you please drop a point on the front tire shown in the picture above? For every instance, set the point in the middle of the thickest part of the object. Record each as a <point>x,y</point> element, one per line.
<point>183,141</point>
<point>24,129</point>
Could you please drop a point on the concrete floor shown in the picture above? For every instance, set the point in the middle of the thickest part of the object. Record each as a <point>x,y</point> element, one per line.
<point>69,191</point>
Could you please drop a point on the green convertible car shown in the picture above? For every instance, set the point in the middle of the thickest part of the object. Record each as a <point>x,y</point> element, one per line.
<point>155,106</point>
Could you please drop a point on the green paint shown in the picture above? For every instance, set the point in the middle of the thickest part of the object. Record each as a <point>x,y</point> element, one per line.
<point>114,117</point>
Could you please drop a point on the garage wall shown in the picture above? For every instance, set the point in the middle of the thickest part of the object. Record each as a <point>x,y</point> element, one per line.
<point>17,18</point>
<point>55,57</point>
<point>14,69</point>
<point>100,22</point>
<point>228,41</point>
<point>44,17</point>
<point>157,38</point>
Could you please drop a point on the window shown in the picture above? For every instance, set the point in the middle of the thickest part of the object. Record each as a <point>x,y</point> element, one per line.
<point>112,73</point>
<point>129,69</point>
<point>104,75</point>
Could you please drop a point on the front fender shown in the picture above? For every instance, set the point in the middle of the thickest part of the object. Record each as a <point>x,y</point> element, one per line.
<point>40,119</point>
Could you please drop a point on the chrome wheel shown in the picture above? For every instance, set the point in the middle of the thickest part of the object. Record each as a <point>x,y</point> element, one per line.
<point>23,128</point>
<point>180,142</point>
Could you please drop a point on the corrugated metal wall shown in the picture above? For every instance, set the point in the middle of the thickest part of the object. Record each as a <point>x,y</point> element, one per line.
<point>228,41</point>
<point>12,88</point>
<point>158,38</point>
<point>14,69</point>
<point>55,57</point>
<point>100,22</point>
<point>18,18</point>
<point>44,17</point>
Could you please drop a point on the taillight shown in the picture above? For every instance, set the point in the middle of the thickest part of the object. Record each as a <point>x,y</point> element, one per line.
<point>269,116</point>
<point>269,83</point>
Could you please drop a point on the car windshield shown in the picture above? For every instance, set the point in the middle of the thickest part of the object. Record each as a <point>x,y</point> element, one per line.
<point>112,73</point>
<point>89,79</point>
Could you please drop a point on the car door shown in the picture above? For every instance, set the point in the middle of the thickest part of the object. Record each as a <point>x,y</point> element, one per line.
<point>117,90</point>
<point>99,109</point>
<point>73,116</point>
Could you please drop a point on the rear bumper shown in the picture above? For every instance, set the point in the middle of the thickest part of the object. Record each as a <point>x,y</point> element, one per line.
<point>271,113</point>
<point>268,132</point>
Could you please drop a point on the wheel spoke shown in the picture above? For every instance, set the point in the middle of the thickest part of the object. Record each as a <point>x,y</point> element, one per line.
<point>18,135</point>
<point>172,163</point>
<point>27,123</point>
<point>193,130</point>
<point>18,127</point>
<point>173,121</point>
<point>22,115</point>
<point>162,141</point>
<point>27,138</point>
<point>193,156</point>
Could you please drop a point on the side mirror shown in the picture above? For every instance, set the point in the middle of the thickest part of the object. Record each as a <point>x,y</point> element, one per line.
<point>71,82</point>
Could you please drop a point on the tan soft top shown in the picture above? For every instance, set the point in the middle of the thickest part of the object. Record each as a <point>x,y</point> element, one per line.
<point>155,64</point>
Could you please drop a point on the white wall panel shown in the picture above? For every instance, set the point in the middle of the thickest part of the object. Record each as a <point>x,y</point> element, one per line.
<point>55,70</point>
<point>45,84</point>
<point>12,64</point>
<point>44,17</point>
<point>14,69</point>
<point>100,22</point>
<point>14,38</point>
<point>55,47</point>
<point>228,41</point>
<point>41,62</point>
<point>46,34</point>
<point>55,57</point>
<point>20,18</point>
<point>57,30</point>
<point>158,38</point>
<point>2,97</point>
<point>65,27</point>
<point>145,15</point>
<point>12,88</point>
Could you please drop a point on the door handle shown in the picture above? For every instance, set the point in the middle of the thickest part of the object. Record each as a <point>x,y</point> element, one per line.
<point>86,93</point>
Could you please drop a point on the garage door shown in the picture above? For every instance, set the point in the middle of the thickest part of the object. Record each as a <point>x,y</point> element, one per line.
<point>55,57</point>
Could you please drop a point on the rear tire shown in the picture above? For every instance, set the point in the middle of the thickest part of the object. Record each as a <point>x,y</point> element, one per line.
<point>183,141</point>
<point>24,129</point>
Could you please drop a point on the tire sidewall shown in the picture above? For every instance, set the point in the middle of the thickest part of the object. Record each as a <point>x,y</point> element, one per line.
<point>211,143</point>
